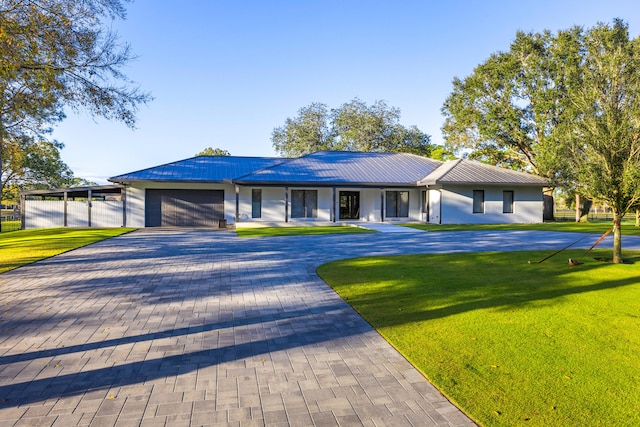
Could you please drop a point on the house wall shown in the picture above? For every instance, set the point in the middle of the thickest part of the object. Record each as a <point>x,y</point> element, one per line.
<point>457,205</point>
<point>136,199</point>
<point>273,205</point>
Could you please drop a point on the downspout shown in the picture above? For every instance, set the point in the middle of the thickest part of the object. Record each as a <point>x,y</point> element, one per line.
<point>382,205</point>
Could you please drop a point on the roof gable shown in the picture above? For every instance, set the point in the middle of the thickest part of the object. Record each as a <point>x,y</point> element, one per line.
<point>346,167</point>
<point>472,172</point>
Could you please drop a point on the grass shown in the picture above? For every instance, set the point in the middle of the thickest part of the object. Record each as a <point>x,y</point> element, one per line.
<point>599,227</point>
<point>298,231</point>
<point>510,343</point>
<point>10,226</point>
<point>27,246</point>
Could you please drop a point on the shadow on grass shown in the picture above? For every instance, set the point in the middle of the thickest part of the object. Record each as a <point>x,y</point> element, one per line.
<point>429,287</point>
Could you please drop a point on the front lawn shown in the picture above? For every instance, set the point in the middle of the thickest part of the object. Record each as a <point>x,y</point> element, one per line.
<point>598,227</point>
<point>511,343</point>
<point>298,231</point>
<point>26,246</point>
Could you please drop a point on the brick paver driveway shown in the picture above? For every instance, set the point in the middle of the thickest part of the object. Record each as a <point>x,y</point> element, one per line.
<point>198,327</point>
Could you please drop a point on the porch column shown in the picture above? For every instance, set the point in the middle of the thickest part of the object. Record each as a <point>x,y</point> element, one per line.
<point>333,206</point>
<point>89,208</point>
<point>382,205</point>
<point>64,208</point>
<point>286,204</point>
<point>237,203</point>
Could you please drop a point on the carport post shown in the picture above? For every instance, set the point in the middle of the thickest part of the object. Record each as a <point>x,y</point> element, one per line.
<point>23,206</point>
<point>123,197</point>
<point>89,208</point>
<point>382,205</point>
<point>65,209</point>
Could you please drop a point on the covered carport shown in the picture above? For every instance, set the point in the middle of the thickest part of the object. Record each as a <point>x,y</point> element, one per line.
<point>94,206</point>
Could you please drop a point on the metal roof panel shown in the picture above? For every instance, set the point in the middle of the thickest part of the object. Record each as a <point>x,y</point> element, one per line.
<point>201,169</point>
<point>471,172</point>
<point>345,167</point>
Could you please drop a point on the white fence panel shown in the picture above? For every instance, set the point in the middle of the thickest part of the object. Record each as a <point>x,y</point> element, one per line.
<point>77,214</point>
<point>106,213</point>
<point>50,213</point>
<point>44,213</point>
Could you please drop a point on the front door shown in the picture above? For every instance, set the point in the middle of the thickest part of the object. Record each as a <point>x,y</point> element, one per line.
<point>349,205</point>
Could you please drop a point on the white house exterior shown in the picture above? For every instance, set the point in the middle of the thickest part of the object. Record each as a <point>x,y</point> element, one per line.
<point>326,186</point>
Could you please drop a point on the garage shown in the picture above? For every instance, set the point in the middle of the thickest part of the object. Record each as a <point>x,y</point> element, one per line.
<point>183,208</point>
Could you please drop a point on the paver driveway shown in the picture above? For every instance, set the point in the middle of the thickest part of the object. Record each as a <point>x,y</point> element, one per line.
<point>199,327</point>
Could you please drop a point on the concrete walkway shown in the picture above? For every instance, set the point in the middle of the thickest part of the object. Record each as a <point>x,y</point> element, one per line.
<point>198,327</point>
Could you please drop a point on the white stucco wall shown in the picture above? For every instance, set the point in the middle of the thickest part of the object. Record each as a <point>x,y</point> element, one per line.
<point>136,199</point>
<point>457,205</point>
<point>273,205</point>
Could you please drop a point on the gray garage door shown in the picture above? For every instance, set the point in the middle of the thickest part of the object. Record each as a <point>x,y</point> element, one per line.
<point>184,208</point>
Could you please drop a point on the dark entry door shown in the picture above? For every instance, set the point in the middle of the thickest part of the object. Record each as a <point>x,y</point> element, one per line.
<point>184,208</point>
<point>349,205</point>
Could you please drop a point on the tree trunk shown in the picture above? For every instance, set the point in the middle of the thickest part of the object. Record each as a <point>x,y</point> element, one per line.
<point>637,217</point>
<point>617,239</point>
<point>583,206</point>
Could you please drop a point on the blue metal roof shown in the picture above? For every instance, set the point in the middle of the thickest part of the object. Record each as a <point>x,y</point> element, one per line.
<point>345,167</point>
<point>201,169</point>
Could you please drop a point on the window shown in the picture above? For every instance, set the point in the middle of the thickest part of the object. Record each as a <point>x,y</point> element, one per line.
<point>397,204</point>
<point>478,201</point>
<point>256,203</point>
<point>304,203</point>
<point>507,202</point>
<point>424,202</point>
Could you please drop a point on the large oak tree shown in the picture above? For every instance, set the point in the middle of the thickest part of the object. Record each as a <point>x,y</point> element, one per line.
<point>354,126</point>
<point>563,106</point>
<point>62,53</point>
<point>605,133</point>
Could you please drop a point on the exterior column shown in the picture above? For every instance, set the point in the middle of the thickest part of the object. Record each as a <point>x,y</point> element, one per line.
<point>382,205</point>
<point>237,203</point>
<point>23,217</point>
<point>333,206</point>
<point>123,198</point>
<point>89,208</point>
<point>286,204</point>
<point>64,219</point>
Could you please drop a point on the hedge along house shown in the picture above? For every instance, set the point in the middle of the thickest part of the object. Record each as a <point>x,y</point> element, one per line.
<point>329,186</point>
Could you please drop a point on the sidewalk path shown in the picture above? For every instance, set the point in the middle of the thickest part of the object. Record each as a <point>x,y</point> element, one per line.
<point>199,327</point>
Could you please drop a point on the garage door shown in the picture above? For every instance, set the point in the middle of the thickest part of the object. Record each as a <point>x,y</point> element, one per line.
<point>184,208</point>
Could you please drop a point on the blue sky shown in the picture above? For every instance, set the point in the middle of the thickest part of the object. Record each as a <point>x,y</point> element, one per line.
<point>225,73</point>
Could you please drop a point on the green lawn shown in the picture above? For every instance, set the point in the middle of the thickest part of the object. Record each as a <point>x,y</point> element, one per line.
<point>26,246</point>
<point>10,226</point>
<point>298,231</point>
<point>511,343</point>
<point>628,227</point>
